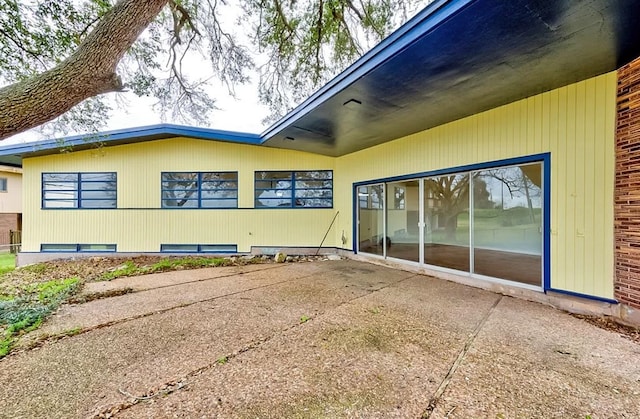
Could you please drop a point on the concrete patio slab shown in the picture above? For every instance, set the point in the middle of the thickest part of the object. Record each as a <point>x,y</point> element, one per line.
<point>323,339</point>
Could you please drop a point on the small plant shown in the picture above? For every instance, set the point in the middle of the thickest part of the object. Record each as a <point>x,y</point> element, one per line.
<point>222,360</point>
<point>128,269</point>
<point>304,319</point>
<point>26,312</point>
<point>71,332</point>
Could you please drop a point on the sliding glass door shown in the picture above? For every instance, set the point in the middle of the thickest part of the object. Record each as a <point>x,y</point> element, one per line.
<point>371,220</point>
<point>485,222</point>
<point>507,223</point>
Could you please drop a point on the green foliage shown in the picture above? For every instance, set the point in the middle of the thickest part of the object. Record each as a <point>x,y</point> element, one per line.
<point>304,319</point>
<point>169,264</point>
<point>7,262</point>
<point>222,360</point>
<point>22,314</point>
<point>300,45</point>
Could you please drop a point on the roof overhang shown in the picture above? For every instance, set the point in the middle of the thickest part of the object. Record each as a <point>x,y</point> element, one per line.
<point>454,59</point>
<point>457,58</point>
<point>12,155</point>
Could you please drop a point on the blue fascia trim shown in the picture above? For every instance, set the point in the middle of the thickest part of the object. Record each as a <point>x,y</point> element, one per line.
<point>354,233</point>
<point>131,133</point>
<point>420,25</point>
<point>585,296</point>
<point>546,221</point>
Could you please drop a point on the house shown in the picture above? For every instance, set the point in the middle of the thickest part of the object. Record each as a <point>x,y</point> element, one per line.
<point>495,144</point>
<point>10,205</point>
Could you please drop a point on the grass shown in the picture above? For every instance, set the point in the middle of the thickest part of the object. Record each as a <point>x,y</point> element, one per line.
<point>130,269</point>
<point>7,262</point>
<point>29,295</point>
<point>25,311</point>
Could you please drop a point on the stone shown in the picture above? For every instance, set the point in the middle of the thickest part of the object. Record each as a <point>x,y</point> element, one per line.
<point>334,257</point>
<point>280,257</point>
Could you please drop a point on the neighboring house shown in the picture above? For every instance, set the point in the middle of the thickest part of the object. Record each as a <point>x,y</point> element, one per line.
<point>492,143</point>
<point>10,204</point>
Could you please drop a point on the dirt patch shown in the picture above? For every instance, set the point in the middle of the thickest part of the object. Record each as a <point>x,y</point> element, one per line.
<point>629,332</point>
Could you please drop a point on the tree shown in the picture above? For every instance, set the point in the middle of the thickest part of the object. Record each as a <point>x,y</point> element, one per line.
<point>59,56</point>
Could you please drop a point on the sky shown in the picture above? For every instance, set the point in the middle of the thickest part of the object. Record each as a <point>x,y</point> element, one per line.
<point>243,113</point>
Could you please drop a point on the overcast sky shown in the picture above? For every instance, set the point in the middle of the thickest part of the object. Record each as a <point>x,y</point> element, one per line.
<point>243,113</point>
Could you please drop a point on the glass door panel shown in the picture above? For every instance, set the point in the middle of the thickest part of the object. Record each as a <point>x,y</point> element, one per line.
<point>507,223</point>
<point>403,212</point>
<point>446,213</point>
<point>371,237</point>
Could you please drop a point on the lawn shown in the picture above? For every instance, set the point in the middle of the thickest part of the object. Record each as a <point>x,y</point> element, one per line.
<point>7,262</point>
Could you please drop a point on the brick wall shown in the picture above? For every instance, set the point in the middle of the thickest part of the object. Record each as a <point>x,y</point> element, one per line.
<point>7,222</point>
<point>627,190</point>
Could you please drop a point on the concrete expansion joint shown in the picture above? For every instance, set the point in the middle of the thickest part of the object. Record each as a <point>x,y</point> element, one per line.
<point>176,385</point>
<point>461,355</point>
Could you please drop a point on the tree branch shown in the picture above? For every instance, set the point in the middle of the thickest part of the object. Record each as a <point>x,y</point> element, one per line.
<point>90,71</point>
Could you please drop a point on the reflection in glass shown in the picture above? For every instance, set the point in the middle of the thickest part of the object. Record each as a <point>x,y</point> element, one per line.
<point>371,219</point>
<point>507,223</point>
<point>403,209</point>
<point>446,208</point>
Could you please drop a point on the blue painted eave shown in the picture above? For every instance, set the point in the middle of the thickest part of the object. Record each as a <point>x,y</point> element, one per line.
<point>453,59</point>
<point>12,154</point>
<point>458,58</point>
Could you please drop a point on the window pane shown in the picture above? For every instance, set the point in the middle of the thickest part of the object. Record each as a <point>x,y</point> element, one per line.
<point>219,203</point>
<point>104,195</point>
<point>179,248</point>
<point>98,186</point>
<point>98,177</point>
<point>58,247</point>
<point>60,194</point>
<point>60,203</point>
<point>403,213</point>
<point>507,223</point>
<point>313,184</point>
<point>314,175</point>
<point>313,203</point>
<point>220,248</point>
<point>371,237</point>
<point>60,186</point>
<point>60,177</point>
<point>447,221</point>
<point>97,247</point>
<point>210,194</point>
<point>101,203</point>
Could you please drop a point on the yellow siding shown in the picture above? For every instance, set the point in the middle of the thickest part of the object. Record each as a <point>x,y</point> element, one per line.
<point>576,124</point>
<point>140,225</point>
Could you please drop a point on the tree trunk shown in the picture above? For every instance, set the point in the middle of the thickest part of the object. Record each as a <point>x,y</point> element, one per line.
<point>90,71</point>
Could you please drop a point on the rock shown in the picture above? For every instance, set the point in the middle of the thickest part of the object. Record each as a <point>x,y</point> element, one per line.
<point>334,257</point>
<point>289,259</point>
<point>280,257</point>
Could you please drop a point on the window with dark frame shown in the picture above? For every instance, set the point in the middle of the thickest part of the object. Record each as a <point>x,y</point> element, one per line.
<point>199,189</point>
<point>79,190</point>
<point>302,189</point>
<point>3,184</point>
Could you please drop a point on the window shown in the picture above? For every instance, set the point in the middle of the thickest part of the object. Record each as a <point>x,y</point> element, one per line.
<point>199,248</point>
<point>3,184</point>
<point>309,189</point>
<point>200,190</point>
<point>79,190</point>
<point>74,247</point>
